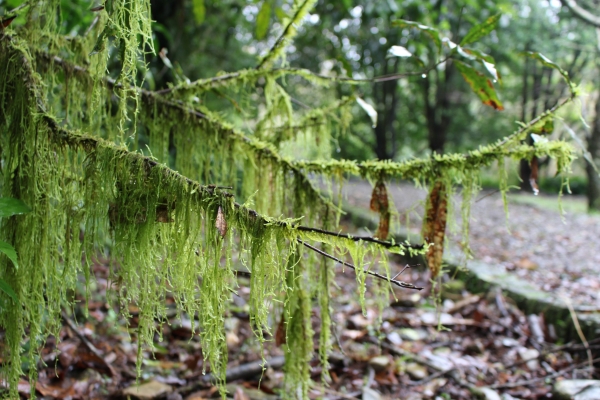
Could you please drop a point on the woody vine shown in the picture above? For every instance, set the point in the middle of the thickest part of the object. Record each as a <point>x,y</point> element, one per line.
<point>70,150</point>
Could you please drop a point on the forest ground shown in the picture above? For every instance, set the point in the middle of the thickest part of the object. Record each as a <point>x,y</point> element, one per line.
<point>422,346</point>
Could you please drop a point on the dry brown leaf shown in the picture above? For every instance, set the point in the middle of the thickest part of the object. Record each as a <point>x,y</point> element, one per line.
<point>533,177</point>
<point>240,395</point>
<point>163,213</point>
<point>379,198</point>
<point>6,21</point>
<point>434,226</point>
<point>383,229</point>
<point>148,390</point>
<point>280,333</point>
<point>380,203</point>
<point>220,222</point>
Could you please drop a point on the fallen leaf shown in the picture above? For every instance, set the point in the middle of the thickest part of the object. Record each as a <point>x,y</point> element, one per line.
<point>526,263</point>
<point>353,334</point>
<point>240,395</point>
<point>149,390</point>
<point>370,394</point>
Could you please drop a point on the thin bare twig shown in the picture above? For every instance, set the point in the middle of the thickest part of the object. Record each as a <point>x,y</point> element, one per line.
<point>361,238</point>
<point>93,349</point>
<point>375,274</point>
<point>243,371</point>
<point>542,378</point>
<point>92,25</point>
<point>578,329</point>
<point>568,346</point>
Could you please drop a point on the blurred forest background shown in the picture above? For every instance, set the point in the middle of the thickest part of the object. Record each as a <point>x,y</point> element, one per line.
<point>436,112</point>
<point>417,115</point>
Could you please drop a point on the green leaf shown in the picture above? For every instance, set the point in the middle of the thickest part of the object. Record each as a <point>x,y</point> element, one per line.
<point>369,109</point>
<point>6,288</point>
<point>10,252</point>
<point>280,14</point>
<point>101,41</point>
<point>402,52</point>
<point>9,207</point>
<point>551,64</point>
<point>482,86</point>
<point>431,32</point>
<point>199,11</point>
<point>486,60</point>
<point>262,20</point>
<point>481,30</point>
<point>399,51</point>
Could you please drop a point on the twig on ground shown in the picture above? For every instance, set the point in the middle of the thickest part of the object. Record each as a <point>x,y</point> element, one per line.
<point>243,371</point>
<point>542,378</point>
<point>348,396</point>
<point>93,349</point>
<point>568,346</point>
<point>431,377</point>
<point>578,329</point>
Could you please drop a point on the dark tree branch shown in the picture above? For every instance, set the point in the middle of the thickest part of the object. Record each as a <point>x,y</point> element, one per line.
<point>375,274</point>
<point>581,13</point>
<point>152,163</point>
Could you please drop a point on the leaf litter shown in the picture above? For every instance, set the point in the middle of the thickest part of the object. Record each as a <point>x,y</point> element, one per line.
<point>466,344</point>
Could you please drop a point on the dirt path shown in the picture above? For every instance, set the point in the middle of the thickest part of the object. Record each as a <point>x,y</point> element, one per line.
<point>560,255</point>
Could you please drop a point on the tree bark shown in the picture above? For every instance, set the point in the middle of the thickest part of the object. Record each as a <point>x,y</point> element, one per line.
<point>593,192</point>
<point>385,137</point>
<point>437,112</point>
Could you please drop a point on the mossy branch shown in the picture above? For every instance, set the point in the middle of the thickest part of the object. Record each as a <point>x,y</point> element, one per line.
<point>420,169</point>
<point>228,133</point>
<point>287,35</point>
<point>251,75</point>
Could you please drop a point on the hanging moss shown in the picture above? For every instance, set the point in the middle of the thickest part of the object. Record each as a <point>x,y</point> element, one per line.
<point>102,162</point>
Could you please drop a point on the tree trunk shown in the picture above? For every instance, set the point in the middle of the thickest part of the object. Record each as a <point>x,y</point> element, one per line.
<point>385,137</point>
<point>593,192</point>
<point>524,167</point>
<point>438,113</point>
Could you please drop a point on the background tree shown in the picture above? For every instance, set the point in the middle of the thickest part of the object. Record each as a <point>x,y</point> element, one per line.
<point>593,136</point>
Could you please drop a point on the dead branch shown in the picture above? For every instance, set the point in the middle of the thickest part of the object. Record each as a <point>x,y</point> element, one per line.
<point>375,274</point>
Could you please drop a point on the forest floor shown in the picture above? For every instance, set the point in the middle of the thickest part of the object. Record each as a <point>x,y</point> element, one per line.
<point>486,345</point>
<point>553,252</point>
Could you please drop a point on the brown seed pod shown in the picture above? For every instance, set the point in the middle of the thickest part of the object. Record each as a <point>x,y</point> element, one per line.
<point>380,203</point>
<point>434,226</point>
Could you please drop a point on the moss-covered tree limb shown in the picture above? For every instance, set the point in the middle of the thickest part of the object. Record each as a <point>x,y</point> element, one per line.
<point>226,132</point>
<point>287,35</point>
<point>420,169</point>
<point>89,143</point>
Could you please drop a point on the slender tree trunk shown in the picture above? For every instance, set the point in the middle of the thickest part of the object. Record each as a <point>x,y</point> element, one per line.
<point>438,112</point>
<point>593,192</point>
<point>385,137</point>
